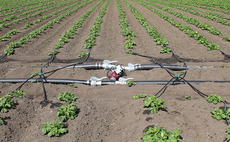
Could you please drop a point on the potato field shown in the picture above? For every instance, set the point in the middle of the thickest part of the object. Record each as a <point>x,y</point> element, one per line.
<point>114,70</point>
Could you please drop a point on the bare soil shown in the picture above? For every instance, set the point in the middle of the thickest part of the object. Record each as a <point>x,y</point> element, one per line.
<point>109,113</point>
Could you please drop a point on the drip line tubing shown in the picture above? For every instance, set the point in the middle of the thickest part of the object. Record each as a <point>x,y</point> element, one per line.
<point>99,66</point>
<point>87,82</point>
<point>3,56</point>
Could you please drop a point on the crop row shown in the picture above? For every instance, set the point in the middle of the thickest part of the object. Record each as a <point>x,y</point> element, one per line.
<point>72,31</point>
<point>64,112</point>
<point>51,14</point>
<point>11,17</point>
<point>10,47</point>
<point>27,17</point>
<point>190,20</point>
<point>185,28</point>
<point>204,5</point>
<point>208,14</point>
<point>156,35</point>
<point>94,31</point>
<point>129,34</point>
<point>27,25</point>
<point>25,8</point>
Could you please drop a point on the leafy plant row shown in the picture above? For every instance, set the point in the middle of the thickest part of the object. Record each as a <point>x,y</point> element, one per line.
<point>72,31</point>
<point>185,28</point>
<point>188,19</point>
<point>25,8</point>
<point>9,34</point>
<point>160,134</point>
<point>64,113</point>
<point>156,35</point>
<point>203,6</point>
<point>27,17</point>
<point>153,133</point>
<point>25,13</point>
<point>129,34</point>
<point>208,14</point>
<point>15,31</point>
<point>10,47</point>
<point>7,103</point>
<point>94,31</point>
<point>52,14</point>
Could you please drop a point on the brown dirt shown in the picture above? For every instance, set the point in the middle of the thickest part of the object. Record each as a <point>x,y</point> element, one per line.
<point>108,113</point>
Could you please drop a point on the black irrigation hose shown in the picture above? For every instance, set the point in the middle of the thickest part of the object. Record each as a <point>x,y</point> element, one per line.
<point>86,82</point>
<point>3,56</point>
<point>224,53</point>
<point>42,77</point>
<point>225,108</point>
<point>175,78</point>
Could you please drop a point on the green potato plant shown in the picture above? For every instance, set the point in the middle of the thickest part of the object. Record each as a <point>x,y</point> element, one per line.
<point>53,128</point>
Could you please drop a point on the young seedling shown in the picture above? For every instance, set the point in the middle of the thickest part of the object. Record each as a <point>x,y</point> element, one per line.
<point>53,128</point>
<point>138,96</point>
<point>6,103</point>
<point>155,104</point>
<point>34,74</point>
<point>1,121</point>
<point>67,97</point>
<point>215,99</point>
<point>67,112</point>
<point>187,97</point>
<point>130,83</point>
<point>228,134</point>
<point>221,114</point>
<point>155,134</point>
<point>18,93</point>
<point>130,52</point>
<point>83,54</point>
<point>72,85</point>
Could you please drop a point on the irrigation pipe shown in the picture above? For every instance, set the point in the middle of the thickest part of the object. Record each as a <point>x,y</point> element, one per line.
<point>87,82</point>
<point>92,66</point>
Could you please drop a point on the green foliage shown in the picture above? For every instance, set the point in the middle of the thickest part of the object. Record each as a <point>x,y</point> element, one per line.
<point>130,52</point>
<point>83,54</point>
<point>155,134</point>
<point>1,122</point>
<point>67,112</point>
<point>186,29</point>
<point>155,104</point>
<point>6,103</point>
<point>223,66</point>
<point>221,114</point>
<point>53,128</point>
<point>129,34</point>
<point>34,74</point>
<point>156,35</point>
<point>228,134</point>
<point>67,97</point>
<point>53,52</point>
<point>213,98</point>
<point>227,38</point>
<point>72,31</point>
<point>18,93</point>
<point>9,50</point>
<point>138,96</point>
<point>72,85</point>
<point>165,50</point>
<point>130,83</point>
<point>94,32</point>
<point>187,97</point>
<point>40,30</point>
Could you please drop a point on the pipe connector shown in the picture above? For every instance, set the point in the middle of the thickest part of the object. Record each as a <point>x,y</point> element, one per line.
<point>94,81</point>
<point>107,64</point>
<point>122,80</point>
